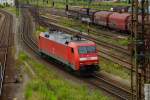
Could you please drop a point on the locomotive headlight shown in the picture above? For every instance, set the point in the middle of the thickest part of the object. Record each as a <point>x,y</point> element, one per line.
<point>88,58</point>
<point>81,63</point>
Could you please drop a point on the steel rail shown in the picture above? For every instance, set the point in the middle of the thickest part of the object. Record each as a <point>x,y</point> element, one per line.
<point>5,39</point>
<point>112,87</point>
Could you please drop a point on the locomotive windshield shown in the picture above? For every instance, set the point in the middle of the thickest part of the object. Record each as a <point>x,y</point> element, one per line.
<point>87,49</point>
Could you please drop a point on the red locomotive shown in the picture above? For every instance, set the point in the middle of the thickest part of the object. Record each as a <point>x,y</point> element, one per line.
<point>76,52</point>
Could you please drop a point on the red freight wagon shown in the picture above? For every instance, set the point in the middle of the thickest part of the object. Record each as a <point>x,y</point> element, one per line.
<point>119,21</point>
<point>101,17</point>
<point>77,53</point>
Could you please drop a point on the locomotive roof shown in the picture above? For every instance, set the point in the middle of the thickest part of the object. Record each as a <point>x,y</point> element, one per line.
<point>62,37</point>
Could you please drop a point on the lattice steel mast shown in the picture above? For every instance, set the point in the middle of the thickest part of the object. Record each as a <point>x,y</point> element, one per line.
<point>141,38</point>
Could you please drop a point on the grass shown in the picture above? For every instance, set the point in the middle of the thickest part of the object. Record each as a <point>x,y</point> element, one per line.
<point>11,9</point>
<point>95,5</point>
<point>23,56</point>
<point>48,85</point>
<point>123,42</point>
<point>120,42</point>
<point>114,69</point>
<point>40,29</point>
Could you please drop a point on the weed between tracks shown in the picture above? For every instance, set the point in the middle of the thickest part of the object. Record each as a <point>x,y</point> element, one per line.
<point>47,85</point>
<point>114,69</point>
<point>11,9</point>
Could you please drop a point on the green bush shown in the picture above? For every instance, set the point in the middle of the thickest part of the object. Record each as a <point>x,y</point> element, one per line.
<point>23,56</point>
<point>1,6</point>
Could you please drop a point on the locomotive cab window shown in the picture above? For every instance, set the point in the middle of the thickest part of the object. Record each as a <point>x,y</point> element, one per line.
<point>87,49</point>
<point>91,49</point>
<point>82,50</point>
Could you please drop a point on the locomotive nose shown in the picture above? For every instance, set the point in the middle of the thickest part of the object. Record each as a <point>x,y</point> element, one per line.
<point>89,63</point>
<point>88,60</point>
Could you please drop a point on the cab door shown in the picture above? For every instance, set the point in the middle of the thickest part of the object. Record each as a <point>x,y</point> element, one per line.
<point>71,57</point>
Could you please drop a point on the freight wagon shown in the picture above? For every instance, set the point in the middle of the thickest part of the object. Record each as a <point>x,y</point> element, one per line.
<point>113,20</point>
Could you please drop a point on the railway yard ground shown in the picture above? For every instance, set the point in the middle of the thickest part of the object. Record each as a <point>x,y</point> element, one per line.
<point>28,74</point>
<point>31,74</point>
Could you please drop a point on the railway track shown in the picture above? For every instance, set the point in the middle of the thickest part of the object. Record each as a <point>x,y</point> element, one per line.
<point>119,58</point>
<point>117,54</point>
<point>123,59</point>
<point>96,80</point>
<point>58,13</point>
<point>114,57</point>
<point>94,37</point>
<point>111,87</point>
<point>26,33</point>
<point>6,37</point>
<point>96,32</point>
